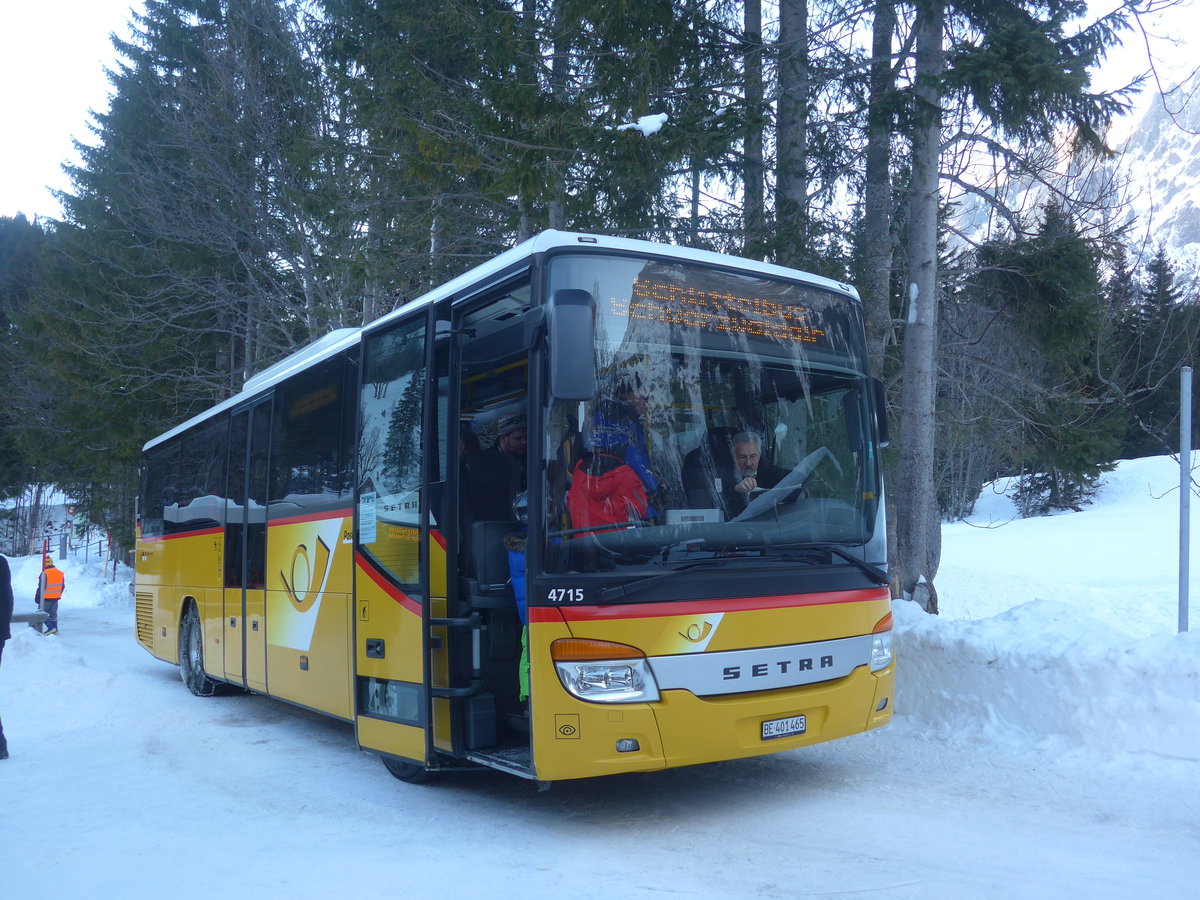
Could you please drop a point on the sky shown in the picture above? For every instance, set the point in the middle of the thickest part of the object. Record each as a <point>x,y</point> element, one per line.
<point>52,59</point>
<point>1046,744</point>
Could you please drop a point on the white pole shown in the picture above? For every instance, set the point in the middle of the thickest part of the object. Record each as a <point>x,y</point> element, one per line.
<point>1185,489</point>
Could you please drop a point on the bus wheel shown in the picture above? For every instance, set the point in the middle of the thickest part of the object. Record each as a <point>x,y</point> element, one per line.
<point>408,772</point>
<point>191,656</point>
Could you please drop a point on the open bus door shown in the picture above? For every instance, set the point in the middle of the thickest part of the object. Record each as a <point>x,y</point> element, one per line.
<point>393,587</point>
<point>488,384</point>
<point>438,641</point>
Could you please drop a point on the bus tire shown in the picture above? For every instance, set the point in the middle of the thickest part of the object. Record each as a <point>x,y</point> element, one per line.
<point>191,656</point>
<point>408,772</point>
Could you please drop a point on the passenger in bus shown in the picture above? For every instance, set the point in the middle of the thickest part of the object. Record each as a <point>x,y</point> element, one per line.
<point>611,481</point>
<point>605,491</point>
<point>512,439</point>
<point>492,478</point>
<point>616,428</point>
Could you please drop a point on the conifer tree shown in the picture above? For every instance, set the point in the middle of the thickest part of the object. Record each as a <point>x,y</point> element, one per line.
<point>190,254</point>
<point>1157,333</point>
<point>191,228</point>
<point>1070,430</point>
<point>21,243</point>
<point>424,172</point>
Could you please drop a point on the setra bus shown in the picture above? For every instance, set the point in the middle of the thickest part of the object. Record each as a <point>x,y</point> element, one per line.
<point>685,566</point>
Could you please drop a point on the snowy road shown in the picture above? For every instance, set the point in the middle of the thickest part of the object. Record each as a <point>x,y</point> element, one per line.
<point>123,784</point>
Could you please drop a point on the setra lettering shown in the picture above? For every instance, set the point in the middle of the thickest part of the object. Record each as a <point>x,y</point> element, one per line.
<point>779,667</point>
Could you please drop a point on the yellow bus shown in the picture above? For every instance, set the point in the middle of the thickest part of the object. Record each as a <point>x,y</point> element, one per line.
<point>685,565</point>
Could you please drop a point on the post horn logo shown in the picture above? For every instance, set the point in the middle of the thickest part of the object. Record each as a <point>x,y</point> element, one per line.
<point>697,632</point>
<point>305,575</point>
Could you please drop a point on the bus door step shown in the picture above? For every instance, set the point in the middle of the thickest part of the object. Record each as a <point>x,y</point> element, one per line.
<point>516,759</point>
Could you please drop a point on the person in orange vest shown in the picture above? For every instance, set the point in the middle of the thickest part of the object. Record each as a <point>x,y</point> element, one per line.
<point>50,591</point>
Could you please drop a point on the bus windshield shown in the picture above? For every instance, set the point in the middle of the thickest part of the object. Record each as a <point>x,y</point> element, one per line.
<point>732,417</point>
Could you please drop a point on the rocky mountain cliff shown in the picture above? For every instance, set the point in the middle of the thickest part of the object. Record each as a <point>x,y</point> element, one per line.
<point>1161,161</point>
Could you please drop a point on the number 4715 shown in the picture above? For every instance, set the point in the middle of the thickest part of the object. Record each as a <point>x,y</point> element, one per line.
<point>565,595</point>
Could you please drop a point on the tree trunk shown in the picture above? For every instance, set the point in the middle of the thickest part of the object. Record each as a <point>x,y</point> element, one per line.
<point>753,167</point>
<point>373,278</point>
<point>559,73</point>
<point>249,340</point>
<point>918,523</point>
<point>524,221</point>
<point>527,70</point>
<point>877,192</point>
<point>436,239</point>
<point>694,216</point>
<point>791,179</point>
<point>35,517</point>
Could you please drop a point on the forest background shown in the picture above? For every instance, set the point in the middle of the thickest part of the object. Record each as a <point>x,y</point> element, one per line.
<point>269,170</point>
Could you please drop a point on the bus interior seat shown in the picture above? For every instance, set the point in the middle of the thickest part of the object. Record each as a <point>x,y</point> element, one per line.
<point>490,590</point>
<point>488,578</point>
<point>713,458</point>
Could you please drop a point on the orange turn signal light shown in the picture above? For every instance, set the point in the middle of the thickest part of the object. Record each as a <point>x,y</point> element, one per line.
<point>584,649</point>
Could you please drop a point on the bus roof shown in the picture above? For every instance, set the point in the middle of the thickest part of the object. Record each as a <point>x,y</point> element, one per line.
<point>561,240</point>
<point>343,338</point>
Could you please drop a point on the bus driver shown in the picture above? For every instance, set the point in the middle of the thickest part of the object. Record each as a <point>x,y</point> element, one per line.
<point>750,471</point>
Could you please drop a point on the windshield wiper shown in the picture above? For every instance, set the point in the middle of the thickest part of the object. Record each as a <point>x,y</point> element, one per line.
<point>624,590</point>
<point>729,553</point>
<point>873,570</point>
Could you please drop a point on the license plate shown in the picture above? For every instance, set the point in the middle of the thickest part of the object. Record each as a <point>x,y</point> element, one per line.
<point>777,728</point>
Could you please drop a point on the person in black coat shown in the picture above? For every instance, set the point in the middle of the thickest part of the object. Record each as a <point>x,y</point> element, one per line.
<point>728,471</point>
<point>750,472</point>
<point>6,612</point>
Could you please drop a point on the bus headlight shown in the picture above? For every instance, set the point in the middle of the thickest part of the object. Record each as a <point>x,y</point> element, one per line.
<point>603,672</point>
<point>881,644</point>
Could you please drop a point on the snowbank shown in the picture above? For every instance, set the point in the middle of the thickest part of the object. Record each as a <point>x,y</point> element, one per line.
<point>1060,631</point>
<point>1048,675</point>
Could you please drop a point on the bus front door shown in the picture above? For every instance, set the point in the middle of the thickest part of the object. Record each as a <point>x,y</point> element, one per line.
<point>391,584</point>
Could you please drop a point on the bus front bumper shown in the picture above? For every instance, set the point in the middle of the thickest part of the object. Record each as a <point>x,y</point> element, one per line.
<point>575,739</point>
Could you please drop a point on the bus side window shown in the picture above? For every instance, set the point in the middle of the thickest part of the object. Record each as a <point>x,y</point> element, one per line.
<point>390,442</point>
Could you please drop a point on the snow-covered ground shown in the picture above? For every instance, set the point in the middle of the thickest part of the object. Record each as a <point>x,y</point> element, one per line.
<point>1046,744</point>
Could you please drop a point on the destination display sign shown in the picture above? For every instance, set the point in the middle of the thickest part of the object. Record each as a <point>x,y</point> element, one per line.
<point>724,312</point>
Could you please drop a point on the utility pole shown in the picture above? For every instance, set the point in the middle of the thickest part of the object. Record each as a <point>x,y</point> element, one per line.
<point>1185,490</point>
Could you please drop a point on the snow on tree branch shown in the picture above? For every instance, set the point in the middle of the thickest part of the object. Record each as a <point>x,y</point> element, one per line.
<point>647,125</point>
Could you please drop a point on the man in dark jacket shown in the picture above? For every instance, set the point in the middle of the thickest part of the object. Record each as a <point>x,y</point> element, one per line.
<point>750,471</point>
<point>512,439</point>
<point>6,612</point>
